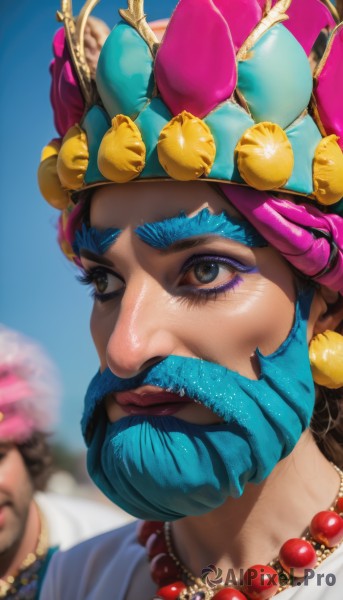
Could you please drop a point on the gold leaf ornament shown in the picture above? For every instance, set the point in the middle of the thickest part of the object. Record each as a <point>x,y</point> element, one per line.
<point>328,171</point>
<point>122,152</point>
<point>74,28</point>
<point>265,157</point>
<point>326,358</point>
<point>48,179</point>
<point>272,15</point>
<point>72,161</point>
<point>186,148</point>
<point>135,16</point>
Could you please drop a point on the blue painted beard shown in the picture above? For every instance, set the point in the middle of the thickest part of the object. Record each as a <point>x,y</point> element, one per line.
<point>164,468</point>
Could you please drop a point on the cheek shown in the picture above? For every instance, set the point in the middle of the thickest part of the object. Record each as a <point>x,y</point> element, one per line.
<point>271,318</point>
<point>24,487</point>
<point>15,479</point>
<point>260,316</point>
<point>101,326</point>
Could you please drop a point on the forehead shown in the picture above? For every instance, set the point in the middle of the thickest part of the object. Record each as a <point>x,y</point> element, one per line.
<point>133,204</point>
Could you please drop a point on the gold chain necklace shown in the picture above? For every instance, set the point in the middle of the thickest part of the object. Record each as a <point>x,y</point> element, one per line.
<point>187,586</point>
<point>40,551</point>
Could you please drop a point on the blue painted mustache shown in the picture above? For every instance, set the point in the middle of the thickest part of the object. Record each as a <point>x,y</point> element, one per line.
<point>226,392</point>
<point>165,468</point>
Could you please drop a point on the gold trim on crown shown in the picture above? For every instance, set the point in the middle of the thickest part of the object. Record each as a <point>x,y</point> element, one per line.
<point>275,15</point>
<point>136,17</point>
<point>74,30</point>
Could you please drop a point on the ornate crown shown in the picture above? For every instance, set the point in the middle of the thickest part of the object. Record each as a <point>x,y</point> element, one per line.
<point>221,98</point>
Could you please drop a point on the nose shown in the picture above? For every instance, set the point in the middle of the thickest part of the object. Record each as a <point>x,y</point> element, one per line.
<point>143,333</point>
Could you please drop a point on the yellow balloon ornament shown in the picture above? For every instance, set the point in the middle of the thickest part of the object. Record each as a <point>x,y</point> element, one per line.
<point>72,161</point>
<point>48,179</point>
<point>186,148</point>
<point>265,157</point>
<point>328,171</point>
<point>122,152</point>
<point>326,358</point>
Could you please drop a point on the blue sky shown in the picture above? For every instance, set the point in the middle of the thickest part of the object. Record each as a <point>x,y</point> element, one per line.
<point>39,293</point>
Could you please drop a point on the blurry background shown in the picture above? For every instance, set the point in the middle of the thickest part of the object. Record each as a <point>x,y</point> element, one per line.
<point>39,294</point>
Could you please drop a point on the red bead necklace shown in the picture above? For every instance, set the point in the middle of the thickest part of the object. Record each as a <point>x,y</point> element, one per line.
<point>260,582</point>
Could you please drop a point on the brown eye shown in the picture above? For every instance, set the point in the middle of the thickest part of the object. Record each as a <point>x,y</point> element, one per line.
<point>101,283</point>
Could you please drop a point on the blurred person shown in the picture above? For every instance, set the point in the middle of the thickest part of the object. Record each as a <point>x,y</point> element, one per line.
<point>33,524</point>
<point>200,191</point>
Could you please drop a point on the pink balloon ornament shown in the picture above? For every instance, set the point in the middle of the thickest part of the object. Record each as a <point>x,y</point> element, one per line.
<point>65,94</point>
<point>232,12</point>
<point>191,75</point>
<point>307,32</point>
<point>328,89</point>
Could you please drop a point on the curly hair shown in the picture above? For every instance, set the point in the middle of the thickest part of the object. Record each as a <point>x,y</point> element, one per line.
<point>37,457</point>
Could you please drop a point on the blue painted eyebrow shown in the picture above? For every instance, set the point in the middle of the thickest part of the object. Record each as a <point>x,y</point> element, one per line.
<point>90,238</point>
<point>163,234</point>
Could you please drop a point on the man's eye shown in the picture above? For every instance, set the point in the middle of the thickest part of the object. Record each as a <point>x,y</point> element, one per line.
<point>100,283</point>
<point>105,284</point>
<point>204,273</point>
<point>206,276</point>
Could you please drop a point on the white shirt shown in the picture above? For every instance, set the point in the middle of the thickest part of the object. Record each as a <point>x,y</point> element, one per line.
<point>104,568</point>
<point>71,520</point>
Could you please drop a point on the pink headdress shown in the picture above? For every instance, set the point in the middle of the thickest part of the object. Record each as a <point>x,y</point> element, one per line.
<point>29,388</point>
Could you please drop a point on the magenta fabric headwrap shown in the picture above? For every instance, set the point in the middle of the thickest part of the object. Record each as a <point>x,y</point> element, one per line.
<point>309,239</point>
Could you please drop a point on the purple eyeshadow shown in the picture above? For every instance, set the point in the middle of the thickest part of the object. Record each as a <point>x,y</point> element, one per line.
<point>222,260</point>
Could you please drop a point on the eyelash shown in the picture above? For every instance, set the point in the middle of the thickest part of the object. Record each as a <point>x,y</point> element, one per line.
<point>201,295</point>
<point>195,295</point>
<point>88,278</point>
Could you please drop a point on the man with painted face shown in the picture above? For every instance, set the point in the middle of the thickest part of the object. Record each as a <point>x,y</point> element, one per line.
<point>201,197</point>
<point>33,522</point>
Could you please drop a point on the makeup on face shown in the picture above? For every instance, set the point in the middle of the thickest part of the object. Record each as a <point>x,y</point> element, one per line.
<point>206,296</point>
<point>174,235</point>
<point>200,276</point>
<point>164,234</point>
<point>163,467</point>
<point>95,240</point>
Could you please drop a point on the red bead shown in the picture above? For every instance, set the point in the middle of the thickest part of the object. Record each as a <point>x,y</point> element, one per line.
<point>156,544</point>
<point>172,591</point>
<point>296,555</point>
<point>163,569</point>
<point>339,505</point>
<point>229,594</point>
<point>260,582</point>
<point>327,528</point>
<point>146,528</point>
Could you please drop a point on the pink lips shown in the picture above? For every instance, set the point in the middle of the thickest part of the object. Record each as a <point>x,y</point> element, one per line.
<point>151,401</point>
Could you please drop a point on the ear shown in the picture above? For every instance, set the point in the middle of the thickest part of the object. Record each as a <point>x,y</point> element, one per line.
<point>330,315</point>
